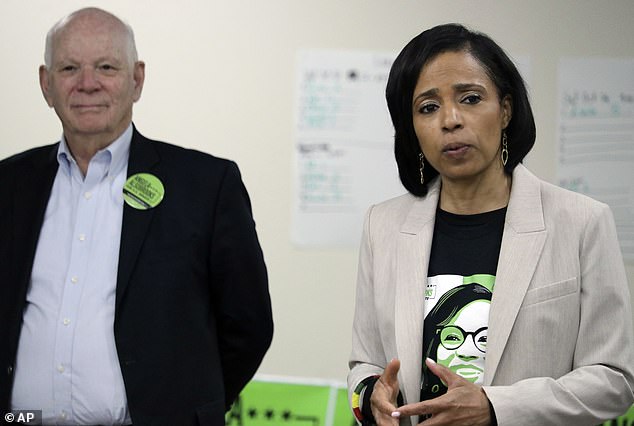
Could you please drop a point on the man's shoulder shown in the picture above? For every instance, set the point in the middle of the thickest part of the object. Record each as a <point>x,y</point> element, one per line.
<point>190,157</point>
<point>184,152</point>
<point>31,156</point>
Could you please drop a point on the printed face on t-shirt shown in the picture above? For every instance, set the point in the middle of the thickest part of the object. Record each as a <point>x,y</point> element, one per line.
<point>463,341</point>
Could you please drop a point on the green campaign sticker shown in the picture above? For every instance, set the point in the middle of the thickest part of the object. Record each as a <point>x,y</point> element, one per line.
<point>143,191</point>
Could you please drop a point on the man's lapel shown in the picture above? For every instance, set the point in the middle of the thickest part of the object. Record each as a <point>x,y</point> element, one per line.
<point>522,245</point>
<point>31,196</point>
<point>143,158</point>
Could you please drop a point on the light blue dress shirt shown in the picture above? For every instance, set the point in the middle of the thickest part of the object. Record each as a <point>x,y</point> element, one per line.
<point>67,364</point>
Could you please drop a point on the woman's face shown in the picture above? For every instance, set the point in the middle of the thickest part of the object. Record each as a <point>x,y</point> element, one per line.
<point>458,117</point>
<point>463,341</point>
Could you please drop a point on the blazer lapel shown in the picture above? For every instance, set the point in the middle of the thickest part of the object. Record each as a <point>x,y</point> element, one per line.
<point>31,200</point>
<point>143,157</point>
<point>412,259</point>
<point>522,244</point>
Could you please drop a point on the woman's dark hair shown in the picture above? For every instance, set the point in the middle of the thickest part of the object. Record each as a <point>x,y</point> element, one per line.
<point>402,82</point>
<point>444,311</point>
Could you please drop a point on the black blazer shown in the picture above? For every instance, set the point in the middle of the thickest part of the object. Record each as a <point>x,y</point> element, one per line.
<point>193,315</point>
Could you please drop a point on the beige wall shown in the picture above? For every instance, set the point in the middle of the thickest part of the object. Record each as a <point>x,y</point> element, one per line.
<point>220,79</point>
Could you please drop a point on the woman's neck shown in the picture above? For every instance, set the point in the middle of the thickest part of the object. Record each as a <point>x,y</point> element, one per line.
<point>472,197</point>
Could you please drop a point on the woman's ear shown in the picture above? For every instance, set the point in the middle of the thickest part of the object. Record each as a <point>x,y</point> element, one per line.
<point>507,110</point>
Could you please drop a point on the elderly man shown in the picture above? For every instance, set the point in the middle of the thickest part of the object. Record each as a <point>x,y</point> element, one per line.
<point>132,285</point>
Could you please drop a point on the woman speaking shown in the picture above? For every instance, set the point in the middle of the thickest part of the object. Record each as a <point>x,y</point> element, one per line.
<point>485,295</point>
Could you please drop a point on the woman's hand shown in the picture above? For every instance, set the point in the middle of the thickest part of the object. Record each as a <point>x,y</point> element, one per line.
<point>464,403</point>
<point>383,398</point>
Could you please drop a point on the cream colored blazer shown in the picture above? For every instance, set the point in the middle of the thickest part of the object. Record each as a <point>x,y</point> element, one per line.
<point>560,339</point>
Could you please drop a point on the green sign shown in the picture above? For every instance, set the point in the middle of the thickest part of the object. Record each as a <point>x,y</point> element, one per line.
<point>275,403</point>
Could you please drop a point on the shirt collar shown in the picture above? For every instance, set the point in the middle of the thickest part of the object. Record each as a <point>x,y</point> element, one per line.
<point>118,153</point>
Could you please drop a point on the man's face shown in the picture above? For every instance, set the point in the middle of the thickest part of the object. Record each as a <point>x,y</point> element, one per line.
<point>92,81</point>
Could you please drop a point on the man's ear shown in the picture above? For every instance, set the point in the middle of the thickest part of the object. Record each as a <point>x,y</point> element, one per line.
<point>138,74</point>
<point>44,84</point>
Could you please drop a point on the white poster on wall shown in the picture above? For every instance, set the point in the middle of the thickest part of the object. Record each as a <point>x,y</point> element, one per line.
<point>344,159</point>
<point>596,136</point>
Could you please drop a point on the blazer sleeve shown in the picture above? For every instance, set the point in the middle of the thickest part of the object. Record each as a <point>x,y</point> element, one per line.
<point>599,385</point>
<point>245,324</point>
<point>367,357</point>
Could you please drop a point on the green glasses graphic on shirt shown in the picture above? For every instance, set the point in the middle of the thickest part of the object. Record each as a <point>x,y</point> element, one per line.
<point>452,337</point>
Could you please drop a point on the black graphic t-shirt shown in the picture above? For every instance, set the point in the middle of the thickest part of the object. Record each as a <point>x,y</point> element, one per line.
<point>461,277</point>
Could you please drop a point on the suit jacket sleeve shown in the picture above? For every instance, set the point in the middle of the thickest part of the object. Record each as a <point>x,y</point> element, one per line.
<point>367,357</point>
<point>599,385</point>
<point>245,325</point>
<point>368,354</point>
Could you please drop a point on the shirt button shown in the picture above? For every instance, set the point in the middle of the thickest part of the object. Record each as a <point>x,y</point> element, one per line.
<point>62,415</point>
<point>74,280</point>
<point>66,321</point>
<point>9,370</point>
<point>60,368</point>
<point>82,237</point>
<point>88,195</point>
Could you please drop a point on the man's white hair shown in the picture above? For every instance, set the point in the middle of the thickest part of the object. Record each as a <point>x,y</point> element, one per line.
<point>59,26</point>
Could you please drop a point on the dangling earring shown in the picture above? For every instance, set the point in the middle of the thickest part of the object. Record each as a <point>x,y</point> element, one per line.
<point>421,158</point>
<point>505,148</point>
